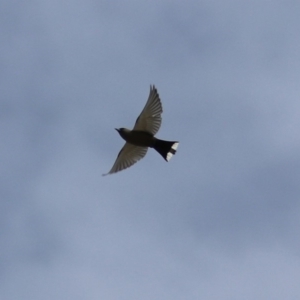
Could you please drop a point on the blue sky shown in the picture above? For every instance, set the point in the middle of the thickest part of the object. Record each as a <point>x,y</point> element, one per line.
<point>220,220</point>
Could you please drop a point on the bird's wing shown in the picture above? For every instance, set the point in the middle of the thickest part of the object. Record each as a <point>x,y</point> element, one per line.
<point>150,118</point>
<point>128,156</point>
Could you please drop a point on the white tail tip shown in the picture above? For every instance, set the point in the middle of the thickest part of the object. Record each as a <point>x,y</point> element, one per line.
<point>172,151</point>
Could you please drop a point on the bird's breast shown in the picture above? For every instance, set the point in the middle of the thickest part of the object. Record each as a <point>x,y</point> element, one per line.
<point>139,138</point>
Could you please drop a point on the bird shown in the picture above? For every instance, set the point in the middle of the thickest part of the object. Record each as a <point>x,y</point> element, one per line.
<point>142,136</point>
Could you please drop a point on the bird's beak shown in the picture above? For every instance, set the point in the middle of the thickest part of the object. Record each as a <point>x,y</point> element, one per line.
<point>117,129</point>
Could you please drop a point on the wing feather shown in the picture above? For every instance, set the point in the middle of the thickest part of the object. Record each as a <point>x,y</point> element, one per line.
<point>128,156</point>
<point>150,118</point>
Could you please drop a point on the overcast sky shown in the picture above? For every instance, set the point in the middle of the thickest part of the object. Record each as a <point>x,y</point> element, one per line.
<point>221,220</point>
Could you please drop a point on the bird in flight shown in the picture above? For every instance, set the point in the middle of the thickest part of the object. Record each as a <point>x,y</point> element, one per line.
<point>141,137</point>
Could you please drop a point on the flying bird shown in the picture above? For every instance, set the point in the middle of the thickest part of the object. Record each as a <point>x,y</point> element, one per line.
<point>141,137</point>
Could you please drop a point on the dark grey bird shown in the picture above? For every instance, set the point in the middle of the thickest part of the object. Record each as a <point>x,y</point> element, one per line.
<point>141,137</point>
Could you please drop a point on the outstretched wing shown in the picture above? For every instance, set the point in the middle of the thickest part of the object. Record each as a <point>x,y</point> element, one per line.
<point>150,118</point>
<point>127,157</point>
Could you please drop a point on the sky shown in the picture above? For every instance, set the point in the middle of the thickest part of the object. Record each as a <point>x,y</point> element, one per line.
<point>220,220</point>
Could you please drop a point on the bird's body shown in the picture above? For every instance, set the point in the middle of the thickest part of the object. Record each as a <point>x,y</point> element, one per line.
<point>137,137</point>
<point>142,137</point>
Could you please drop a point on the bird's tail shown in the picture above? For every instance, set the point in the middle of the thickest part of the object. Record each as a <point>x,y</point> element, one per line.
<point>165,148</point>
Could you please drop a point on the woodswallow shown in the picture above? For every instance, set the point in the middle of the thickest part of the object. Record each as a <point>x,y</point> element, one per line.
<point>141,137</point>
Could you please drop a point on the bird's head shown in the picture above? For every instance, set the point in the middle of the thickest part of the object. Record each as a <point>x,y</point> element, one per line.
<point>120,130</point>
